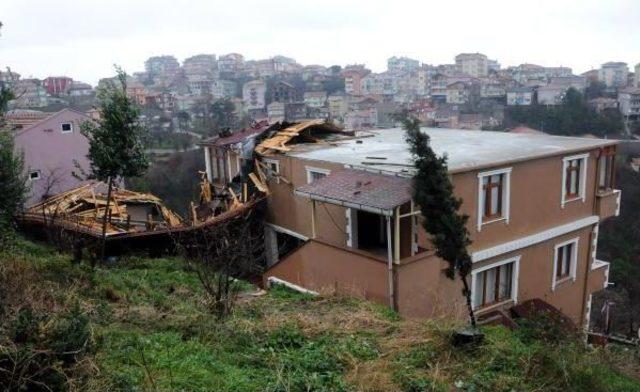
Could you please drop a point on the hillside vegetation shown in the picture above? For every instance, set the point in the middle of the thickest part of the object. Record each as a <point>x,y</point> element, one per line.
<point>142,325</point>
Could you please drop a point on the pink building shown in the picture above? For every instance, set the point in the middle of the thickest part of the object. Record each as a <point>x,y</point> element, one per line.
<point>51,147</point>
<point>56,85</point>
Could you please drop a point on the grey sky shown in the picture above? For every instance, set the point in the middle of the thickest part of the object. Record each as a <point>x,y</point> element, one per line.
<point>82,39</point>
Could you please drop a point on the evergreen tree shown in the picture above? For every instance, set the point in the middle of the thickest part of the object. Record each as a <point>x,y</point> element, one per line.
<point>116,140</point>
<point>433,192</point>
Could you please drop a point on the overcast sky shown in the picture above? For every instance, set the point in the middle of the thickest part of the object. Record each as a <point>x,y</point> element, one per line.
<point>84,38</point>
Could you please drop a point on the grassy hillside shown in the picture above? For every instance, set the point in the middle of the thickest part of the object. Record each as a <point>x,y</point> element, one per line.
<point>143,326</point>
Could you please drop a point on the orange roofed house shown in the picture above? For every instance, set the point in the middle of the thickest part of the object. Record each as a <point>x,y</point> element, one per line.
<point>340,215</point>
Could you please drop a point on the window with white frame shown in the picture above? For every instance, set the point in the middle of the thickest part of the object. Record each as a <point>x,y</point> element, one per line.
<point>34,175</point>
<point>66,127</point>
<point>574,178</point>
<point>606,164</point>
<point>495,283</point>
<point>273,168</point>
<point>314,174</point>
<point>494,190</point>
<point>565,259</point>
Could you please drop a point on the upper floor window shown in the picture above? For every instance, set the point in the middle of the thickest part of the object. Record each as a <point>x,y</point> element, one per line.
<point>495,283</point>
<point>493,196</point>
<point>66,127</point>
<point>34,175</point>
<point>314,174</point>
<point>574,178</point>
<point>606,168</point>
<point>564,262</point>
<point>273,166</point>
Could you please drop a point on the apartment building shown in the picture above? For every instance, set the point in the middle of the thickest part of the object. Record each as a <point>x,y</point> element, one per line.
<point>472,64</point>
<point>614,74</point>
<point>629,102</point>
<point>254,94</point>
<point>520,96</point>
<point>340,216</point>
<point>57,85</point>
<point>551,94</point>
<point>636,76</point>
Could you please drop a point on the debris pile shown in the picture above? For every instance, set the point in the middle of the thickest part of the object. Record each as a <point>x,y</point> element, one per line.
<point>83,208</point>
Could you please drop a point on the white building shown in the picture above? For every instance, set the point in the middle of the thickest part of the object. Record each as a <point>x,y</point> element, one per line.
<point>315,99</point>
<point>521,96</point>
<point>551,94</point>
<point>253,94</point>
<point>614,74</point>
<point>636,76</point>
<point>629,102</point>
<point>473,64</point>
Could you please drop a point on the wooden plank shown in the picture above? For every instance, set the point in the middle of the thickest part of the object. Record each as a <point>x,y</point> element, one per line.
<point>261,187</point>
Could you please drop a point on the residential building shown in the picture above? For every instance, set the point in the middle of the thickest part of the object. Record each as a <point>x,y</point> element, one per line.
<point>636,76</point>
<point>57,85</point>
<point>221,88</point>
<point>551,94</point>
<point>276,112</point>
<point>21,118</point>
<point>457,93</point>
<point>338,106</point>
<point>231,63</point>
<point>402,64</point>
<point>52,148</point>
<point>472,64</point>
<point>577,82</point>
<point>629,102</point>
<point>447,117</point>
<point>614,74</point>
<point>492,88</point>
<point>520,96</point>
<point>254,94</point>
<point>534,205</point>
<point>29,93</point>
<point>603,104</point>
<point>532,74</point>
<point>162,66</point>
<point>137,91</point>
<point>202,64</point>
<point>80,89</point>
<point>353,75</point>
<point>493,65</point>
<point>470,121</point>
<point>361,119</point>
<point>284,92</point>
<point>315,99</point>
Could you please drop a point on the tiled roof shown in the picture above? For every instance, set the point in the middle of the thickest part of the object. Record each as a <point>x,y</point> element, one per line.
<point>360,189</point>
<point>238,136</point>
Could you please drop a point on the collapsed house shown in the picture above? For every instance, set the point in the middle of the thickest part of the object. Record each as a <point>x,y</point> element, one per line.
<point>339,214</point>
<point>81,211</point>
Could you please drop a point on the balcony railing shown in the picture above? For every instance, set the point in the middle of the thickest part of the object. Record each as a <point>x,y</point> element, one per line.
<point>608,203</point>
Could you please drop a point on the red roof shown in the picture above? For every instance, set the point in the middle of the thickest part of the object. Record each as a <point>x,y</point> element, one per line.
<point>239,136</point>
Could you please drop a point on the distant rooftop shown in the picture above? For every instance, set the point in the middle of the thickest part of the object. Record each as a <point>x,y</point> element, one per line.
<point>386,150</point>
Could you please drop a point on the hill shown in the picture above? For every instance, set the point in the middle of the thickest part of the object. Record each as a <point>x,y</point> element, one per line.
<point>143,325</point>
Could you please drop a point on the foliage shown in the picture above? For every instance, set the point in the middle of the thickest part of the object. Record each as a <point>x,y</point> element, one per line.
<point>116,140</point>
<point>574,117</point>
<point>13,186</point>
<point>223,115</point>
<point>148,330</point>
<point>433,191</point>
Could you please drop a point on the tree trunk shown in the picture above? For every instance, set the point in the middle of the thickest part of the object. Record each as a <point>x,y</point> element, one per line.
<point>467,294</point>
<point>104,221</point>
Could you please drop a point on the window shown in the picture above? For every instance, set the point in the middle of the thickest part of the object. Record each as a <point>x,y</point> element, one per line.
<point>66,127</point>
<point>564,262</point>
<point>606,168</point>
<point>34,175</point>
<point>495,283</point>
<point>574,178</point>
<point>493,196</point>
<point>314,174</point>
<point>273,167</point>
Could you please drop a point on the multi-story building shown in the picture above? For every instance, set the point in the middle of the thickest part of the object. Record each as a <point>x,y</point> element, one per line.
<point>614,74</point>
<point>315,99</point>
<point>492,88</point>
<point>457,93</point>
<point>80,89</point>
<point>551,94</point>
<point>137,91</point>
<point>636,76</point>
<point>353,75</point>
<point>577,82</point>
<point>284,92</point>
<point>57,85</point>
<point>52,148</point>
<point>231,63</point>
<point>402,64</point>
<point>162,66</point>
<point>520,96</point>
<point>629,102</point>
<point>532,75</point>
<point>254,94</point>
<point>338,106</point>
<point>534,205</point>
<point>276,111</point>
<point>201,64</point>
<point>472,64</point>
<point>221,88</point>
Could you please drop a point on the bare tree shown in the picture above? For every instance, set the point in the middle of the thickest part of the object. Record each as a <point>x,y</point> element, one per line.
<point>221,253</point>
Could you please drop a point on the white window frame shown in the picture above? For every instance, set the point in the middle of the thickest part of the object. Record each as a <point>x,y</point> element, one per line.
<point>584,160</point>
<point>311,169</point>
<point>506,196</point>
<point>572,267</point>
<point>514,281</point>
<point>39,176</point>
<point>275,162</point>
<point>70,125</point>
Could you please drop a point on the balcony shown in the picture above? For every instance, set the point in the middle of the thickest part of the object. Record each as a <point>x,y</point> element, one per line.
<point>608,203</point>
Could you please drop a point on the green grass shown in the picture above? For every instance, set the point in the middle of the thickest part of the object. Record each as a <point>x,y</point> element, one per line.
<point>151,331</point>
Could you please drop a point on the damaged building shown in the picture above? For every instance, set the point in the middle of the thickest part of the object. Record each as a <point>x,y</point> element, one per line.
<point>340,215</point>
